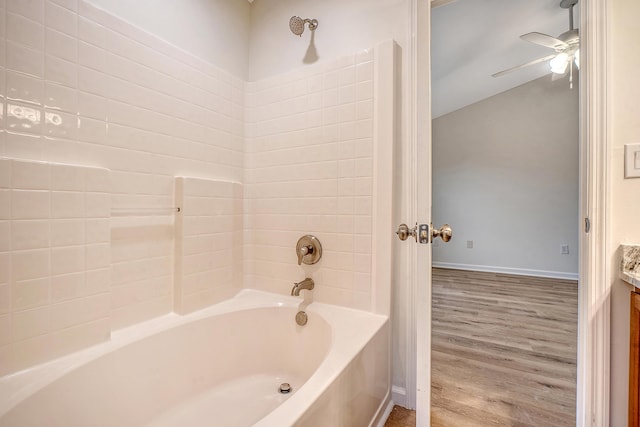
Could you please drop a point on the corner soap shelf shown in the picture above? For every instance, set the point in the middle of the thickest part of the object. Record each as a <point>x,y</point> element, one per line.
<point>630,264</point>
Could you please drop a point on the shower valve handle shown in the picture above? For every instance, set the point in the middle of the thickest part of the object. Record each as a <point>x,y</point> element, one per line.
<point>308,250</point>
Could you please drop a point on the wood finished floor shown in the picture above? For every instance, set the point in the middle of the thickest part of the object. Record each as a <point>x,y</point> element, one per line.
<point>503,351</point>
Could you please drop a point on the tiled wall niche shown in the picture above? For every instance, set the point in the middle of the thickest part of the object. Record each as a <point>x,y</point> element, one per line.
<point>208,243</point>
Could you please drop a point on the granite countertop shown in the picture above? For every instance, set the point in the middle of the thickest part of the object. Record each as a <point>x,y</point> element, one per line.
<point>630,264</point>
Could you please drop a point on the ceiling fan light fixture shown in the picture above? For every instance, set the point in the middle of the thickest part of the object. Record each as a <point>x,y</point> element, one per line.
<point>576,58</point>
<point>559,63</point>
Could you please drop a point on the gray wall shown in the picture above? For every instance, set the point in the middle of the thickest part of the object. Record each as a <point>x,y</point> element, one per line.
<point>505,175</point>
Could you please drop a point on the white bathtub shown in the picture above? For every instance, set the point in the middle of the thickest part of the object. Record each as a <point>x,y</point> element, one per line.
<point>221,366</point>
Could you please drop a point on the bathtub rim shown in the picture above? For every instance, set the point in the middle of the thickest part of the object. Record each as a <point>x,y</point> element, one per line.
<point>19,386</point>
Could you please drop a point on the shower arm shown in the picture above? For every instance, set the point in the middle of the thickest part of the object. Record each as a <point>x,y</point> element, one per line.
<point>313,23</point>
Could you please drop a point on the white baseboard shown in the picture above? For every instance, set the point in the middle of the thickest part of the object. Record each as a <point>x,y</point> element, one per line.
<point>399,395</point>
<point>385,414</point>
<point>506,270</point>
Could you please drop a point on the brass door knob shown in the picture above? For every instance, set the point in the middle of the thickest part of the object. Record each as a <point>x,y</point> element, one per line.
<point>404,232</point>
<point>445,232</point>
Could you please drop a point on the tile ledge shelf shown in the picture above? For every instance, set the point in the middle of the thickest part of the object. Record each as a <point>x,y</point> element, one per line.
<point>630,264</point>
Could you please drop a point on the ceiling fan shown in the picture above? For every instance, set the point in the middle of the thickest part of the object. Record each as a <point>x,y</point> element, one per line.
<point>566,46</point>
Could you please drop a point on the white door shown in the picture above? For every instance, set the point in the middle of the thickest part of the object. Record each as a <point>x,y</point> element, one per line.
<point>421,78</point>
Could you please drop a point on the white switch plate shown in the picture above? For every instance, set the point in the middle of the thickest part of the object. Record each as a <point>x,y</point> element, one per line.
<point>632,160</point>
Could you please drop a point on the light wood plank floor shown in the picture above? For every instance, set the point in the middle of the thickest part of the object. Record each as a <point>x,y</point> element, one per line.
<point>503,350</point>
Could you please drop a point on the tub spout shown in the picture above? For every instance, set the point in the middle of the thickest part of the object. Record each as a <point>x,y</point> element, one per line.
<point>305,284</point>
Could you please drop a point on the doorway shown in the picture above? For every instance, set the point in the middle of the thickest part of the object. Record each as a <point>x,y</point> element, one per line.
<point>505,176</point>
<point>592,401</point>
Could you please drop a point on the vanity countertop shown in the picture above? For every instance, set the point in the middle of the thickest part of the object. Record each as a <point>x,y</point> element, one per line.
<point>630,264</point>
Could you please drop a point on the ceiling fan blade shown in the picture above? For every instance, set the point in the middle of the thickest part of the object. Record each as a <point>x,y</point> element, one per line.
<point>517,67</point>
<point>544,40</point>
<point>438,3</point>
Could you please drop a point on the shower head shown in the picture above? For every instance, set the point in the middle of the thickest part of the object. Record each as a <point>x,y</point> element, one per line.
<point>296,24</point>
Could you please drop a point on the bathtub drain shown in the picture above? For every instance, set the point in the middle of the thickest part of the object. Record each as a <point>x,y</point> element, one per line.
<point>284,388</point>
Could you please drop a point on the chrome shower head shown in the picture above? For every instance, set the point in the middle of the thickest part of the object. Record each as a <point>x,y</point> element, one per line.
<point>296,24</point>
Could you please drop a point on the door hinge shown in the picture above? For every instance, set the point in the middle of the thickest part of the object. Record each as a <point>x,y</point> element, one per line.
<point>587,225</point>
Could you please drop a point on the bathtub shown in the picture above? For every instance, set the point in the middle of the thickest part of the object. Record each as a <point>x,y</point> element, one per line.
<point>221,366</point>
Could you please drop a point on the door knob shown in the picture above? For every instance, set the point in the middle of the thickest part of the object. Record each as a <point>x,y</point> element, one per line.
<point>404,232</point>
<point>445,232</point>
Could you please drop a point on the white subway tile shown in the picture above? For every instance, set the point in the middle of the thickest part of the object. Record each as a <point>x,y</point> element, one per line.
<point>58,124</point>
<point>61,71</point>
<point>97,230</point>
<point>97,256</point>
<point>364,129</point>
<point>92,130</point>
<point>93,81</point>
<point>30,175</point>
<point>69,259</point>
<point>30,204</point>
<point>5,204</point>
<point>32,9</point>
<point>67,204</point>
<point>98,205</point>
<point>6,330</point>
<point>59,97</point>
<point>31,323</point>
<point>24,118</point>
<point>97,180</point>
<point>5,236</point>
<point>29,234</point>
<point>76,312</point>
<point>67,232</point>
<point>97,281</point>
<point>91,32</point>
<point>91,56</point>
<point>93,106</point>
<point>24,59</point>
<point>30,293</point>
<point>347,76</point>
<point>364,91</point>
<point>6,173</point>
<point>81,336</point>
<point>61,18</point>
<point>364,71</point>
<point>347,94</point>
<point>364,110</point>
<point>61,45</point>
<point>67,178</point>
<point>24,31</point>
<point>30,264</point>
<point>24,88</point>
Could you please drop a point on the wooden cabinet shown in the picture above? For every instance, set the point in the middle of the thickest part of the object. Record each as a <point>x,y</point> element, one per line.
<point>634,361</point>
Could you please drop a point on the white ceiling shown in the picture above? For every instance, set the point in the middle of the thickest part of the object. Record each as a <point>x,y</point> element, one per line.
<point>472,39</point>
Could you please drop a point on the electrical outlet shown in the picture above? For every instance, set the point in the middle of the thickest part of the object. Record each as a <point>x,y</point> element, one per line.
<point>564,249</point>
<point>470,244</point>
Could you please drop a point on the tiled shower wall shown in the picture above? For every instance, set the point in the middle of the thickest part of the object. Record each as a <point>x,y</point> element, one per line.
<point>308,170</point>
<point>54,260</point>
<point>80,86</point>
